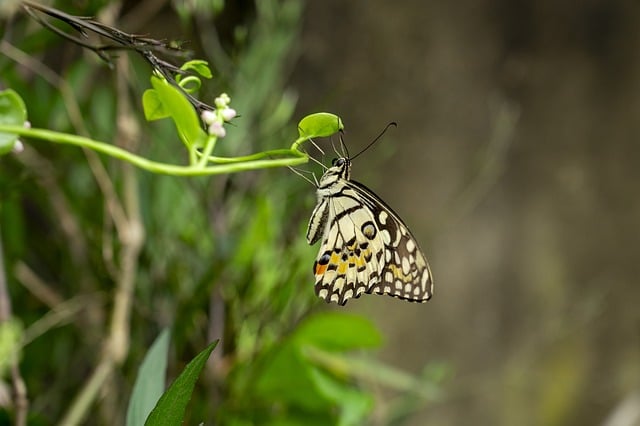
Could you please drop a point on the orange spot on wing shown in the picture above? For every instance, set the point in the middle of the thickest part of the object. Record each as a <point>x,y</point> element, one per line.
<point>320,269</point>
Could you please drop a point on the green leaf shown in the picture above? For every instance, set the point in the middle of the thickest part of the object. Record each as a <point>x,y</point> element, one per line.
<point>152,105</point>
<point>14,112</point>
<point>181,111</point>
<point>150,382</point>
<point>198,65</point>
<point>320,124</point>
<point>172,404</point>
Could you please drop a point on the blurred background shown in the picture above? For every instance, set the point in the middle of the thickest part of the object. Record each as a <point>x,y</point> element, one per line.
<point>514,163</point>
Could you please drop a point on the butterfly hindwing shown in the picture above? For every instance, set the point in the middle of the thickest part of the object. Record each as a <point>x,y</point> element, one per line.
<point>405,273</point>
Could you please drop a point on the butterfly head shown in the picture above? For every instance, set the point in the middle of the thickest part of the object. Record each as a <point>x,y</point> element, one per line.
<point>340,169</point>
<point>341,166</point>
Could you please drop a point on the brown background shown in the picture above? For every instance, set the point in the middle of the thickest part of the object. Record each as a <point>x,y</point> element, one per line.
<point>515,163</point>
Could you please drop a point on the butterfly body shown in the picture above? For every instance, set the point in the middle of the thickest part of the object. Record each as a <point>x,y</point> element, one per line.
<point>365,247</point>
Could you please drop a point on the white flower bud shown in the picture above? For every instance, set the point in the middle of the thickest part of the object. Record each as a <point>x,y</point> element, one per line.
<point>208,116</point>
<point>222,101</point>
<point>18,147</point>
<point>216,129</point>
<point>228,113</point>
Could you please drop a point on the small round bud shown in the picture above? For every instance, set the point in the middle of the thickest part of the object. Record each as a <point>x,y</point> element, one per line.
<point>222,101</point>
<point>18,147</point>
<point>216,129</point>
<point>208,116</point>
<point>228,113</point>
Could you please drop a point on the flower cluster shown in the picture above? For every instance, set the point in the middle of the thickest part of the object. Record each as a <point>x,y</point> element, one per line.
<point>216,119</point>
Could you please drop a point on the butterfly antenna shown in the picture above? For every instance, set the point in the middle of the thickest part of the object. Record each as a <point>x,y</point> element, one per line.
<point>345,150</point>
<point>393,123</point>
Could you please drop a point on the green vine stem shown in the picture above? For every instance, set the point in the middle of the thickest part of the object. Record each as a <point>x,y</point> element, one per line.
<point>228,164</point>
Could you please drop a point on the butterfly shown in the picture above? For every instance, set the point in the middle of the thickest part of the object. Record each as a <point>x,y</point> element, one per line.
<point>366,247</point>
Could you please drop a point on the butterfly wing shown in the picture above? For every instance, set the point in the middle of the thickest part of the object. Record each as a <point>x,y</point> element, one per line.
<point>405,270</point>
<point>366,248</point>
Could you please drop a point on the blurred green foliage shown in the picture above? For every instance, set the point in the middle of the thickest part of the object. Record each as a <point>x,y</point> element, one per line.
<point>221,257</point>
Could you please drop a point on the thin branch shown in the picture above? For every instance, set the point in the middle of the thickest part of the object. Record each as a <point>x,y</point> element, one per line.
<point>144,46</point>
<point>134,235</point>
<point>85,398</point>
<point>85,25</point>
<point>21,402</point>
<point>36,285</point>
<point>62,314</point>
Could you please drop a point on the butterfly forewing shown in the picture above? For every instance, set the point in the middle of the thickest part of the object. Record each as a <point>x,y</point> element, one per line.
<point>366,248</point>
